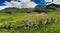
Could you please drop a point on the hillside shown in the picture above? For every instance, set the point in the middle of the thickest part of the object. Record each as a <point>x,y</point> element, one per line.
<point>14,20</point>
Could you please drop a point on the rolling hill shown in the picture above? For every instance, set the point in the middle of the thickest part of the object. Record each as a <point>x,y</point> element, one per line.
<point>28,21</point>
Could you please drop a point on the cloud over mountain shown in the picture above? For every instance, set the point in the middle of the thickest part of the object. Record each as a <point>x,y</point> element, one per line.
<point>3,7</point>
<point>56,2</point>
<point>53,1</point>
<point>26,3</point>
<point>19,4</point>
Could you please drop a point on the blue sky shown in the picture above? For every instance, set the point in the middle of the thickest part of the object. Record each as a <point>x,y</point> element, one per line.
<point>42,2</point>
<point>2,1</point>
<point>36,1</point>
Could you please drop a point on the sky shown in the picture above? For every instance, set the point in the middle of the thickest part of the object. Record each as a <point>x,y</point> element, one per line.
<point>2,1</point>
<point>36,1</point>
<point>25,3</point>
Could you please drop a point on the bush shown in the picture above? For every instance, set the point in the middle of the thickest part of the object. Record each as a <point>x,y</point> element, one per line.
<point>36,20</point>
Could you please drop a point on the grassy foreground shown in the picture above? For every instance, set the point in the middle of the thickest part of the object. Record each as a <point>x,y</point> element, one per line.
<point>7,19</point>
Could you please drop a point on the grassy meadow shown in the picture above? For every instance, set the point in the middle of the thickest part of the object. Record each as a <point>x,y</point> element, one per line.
<point>15,21</point>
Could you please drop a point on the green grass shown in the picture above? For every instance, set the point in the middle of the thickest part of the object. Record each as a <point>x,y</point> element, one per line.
<point>6,18</point>
<point>13,18</point>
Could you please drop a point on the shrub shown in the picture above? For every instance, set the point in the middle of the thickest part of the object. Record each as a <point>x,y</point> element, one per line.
<point>36,19</point>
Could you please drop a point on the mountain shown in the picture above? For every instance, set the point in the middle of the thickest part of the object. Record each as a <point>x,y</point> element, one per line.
<point>38,8</point>
<point>56,5</point>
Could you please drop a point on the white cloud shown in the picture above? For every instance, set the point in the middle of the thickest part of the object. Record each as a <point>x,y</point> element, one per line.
<point>22,4</point>
<point>53,1</point>
<point>25,0</point>
<point>48,0</point>
<point>17,4</point>
<point>27,3</point>
<point>12,4</point>
<point>3,7</point>
<point>56,2</point>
